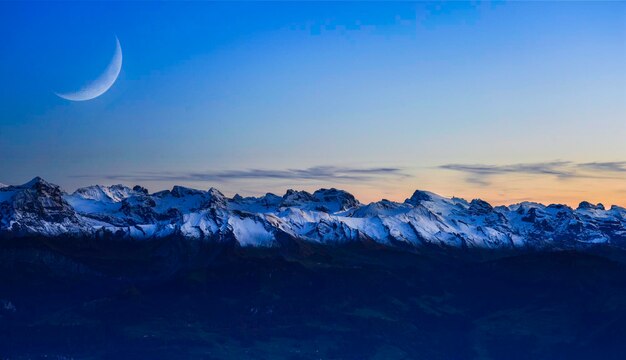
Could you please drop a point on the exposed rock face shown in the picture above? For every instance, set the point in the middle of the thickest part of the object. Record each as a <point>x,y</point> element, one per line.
<point>334,200</point>
<point>327,216</point>
<point>37,207</point>
<point>479,207</point>
<point>417,197</point>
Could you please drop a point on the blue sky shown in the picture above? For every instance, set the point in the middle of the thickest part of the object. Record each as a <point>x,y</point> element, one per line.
<point>256,97</point>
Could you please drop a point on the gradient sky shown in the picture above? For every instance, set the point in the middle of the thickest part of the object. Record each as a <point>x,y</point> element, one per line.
<point>502,101</point>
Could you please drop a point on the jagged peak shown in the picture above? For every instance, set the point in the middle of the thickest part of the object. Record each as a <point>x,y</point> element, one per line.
<point>525,205</point>
<point>325,200</point>
<point>586,205</point>
<point>268,198</point>
<point>37,181</point>
<point>217,199</point>
<point>478,206</point>
<point>180,191</point>
<point>271,195</point>
<point>294,197</point>
<point>419,196</point>
<point>215,193</point>
<point>140,189</point>
<point>114,193</point>
<point>459,200</point>
<point>383,207</point>
<point>559,207</point>
<point>342,198</point>
<point>332,192</point>
<point>298,193</point>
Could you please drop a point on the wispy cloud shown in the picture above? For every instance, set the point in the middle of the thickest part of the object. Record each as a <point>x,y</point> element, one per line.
<point>480,174</point>
<point>333,173</point>
<point>558,168</point>
<point>613,166</point>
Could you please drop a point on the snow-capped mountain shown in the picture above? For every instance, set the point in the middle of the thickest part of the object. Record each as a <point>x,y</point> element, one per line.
<point>327,216</point>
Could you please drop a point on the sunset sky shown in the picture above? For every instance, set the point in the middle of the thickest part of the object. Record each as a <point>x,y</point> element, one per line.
<point>501,101</point>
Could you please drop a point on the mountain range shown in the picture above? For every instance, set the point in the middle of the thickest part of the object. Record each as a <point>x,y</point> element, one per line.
<point>326,216</point>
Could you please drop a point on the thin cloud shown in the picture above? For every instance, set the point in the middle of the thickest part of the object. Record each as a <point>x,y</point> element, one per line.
<point>480,174</point>
<point>332,173</point>
<point>612,166</point>
<point>477,180</point>
<point>558,168</point>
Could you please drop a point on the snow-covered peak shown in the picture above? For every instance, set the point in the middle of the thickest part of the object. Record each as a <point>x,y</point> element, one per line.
<point>36,182</point>
<point>113,193</point>
<point>36,207</point>
<point>181,191</point>
<point>585,205</point>
<point>334,200</point>
<point>140,189</point>
<point>617,209</point>
<point>479,207</point>
<point>217,197</point>
<point>185,199</point>
<point>262,204</point>
<point>420,196</point>
<point>379,208</point>
<point>296,198</point>
<point>324,200</point>
<point>525,206</point>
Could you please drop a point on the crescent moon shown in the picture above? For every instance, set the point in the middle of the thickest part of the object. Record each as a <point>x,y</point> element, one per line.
<point>102,83</point>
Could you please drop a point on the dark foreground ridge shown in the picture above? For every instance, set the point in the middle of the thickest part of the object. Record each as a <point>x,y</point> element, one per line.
<point>171,298</point>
